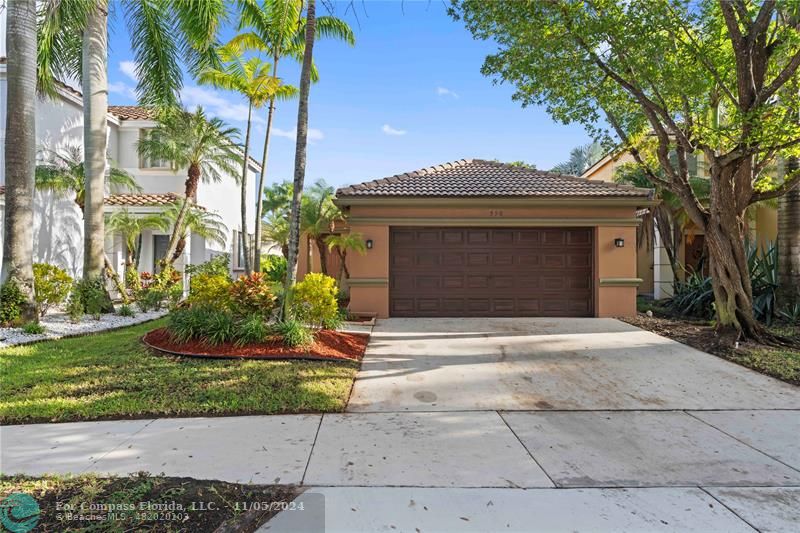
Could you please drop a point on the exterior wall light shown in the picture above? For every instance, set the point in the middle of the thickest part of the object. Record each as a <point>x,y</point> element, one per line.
<point>618,242</point>
<point>369,244</point>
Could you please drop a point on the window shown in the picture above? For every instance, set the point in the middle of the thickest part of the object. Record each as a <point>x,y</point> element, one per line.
<point>146,162</point>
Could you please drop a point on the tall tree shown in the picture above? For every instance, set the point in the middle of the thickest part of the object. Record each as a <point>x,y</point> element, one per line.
<point>273,30</point>
<point>299,157</point>
<point>789,242</point>
<point>252,79</point>
<point>20,151</point>
<point>206,148</point>
<point>688,77</point>
<point>580,158</point>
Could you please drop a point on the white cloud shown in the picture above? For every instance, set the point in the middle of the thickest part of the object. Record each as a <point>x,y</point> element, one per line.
<point>388,130</point>
<point>122,89</point>
<point>129,69</point>
<point>444,91</point>
<point>313,134</point>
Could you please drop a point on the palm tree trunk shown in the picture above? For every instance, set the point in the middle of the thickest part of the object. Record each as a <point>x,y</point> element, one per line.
<point>190,191</point>
<point>95,109</point>
<point>300,157</point>
<point>789,241</point>
<point>244,243</point>
<point>20,151</point>
<point>263,175</point>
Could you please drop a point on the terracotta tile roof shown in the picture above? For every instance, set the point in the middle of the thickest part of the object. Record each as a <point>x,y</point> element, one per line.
<point>143,199</point>
<point>478,177</point>
<point>131,112</point>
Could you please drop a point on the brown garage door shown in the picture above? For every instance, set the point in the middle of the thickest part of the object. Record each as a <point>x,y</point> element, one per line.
<point>490,272</point>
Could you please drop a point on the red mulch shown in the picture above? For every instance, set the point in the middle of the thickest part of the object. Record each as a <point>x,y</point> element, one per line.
<point>332,345</point>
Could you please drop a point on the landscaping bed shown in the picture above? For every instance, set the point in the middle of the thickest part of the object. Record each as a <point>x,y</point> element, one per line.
<point>327,345</point>
<point>156,503</point>
<point>780,363</point>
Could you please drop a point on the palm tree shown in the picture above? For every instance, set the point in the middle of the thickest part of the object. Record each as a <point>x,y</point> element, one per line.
<point>205,147</point>
<point>580,158</point>
<point>199,222</point>
<point>162,33</point>
<point>299,157</point>
<point>276,230</point>
<point>789,241</point>
<point>273,30</point>
<point>252,79</point>
<point>344,243</point>
<point>131,226</point>
<point>317,216</point>
<point>20,152</point>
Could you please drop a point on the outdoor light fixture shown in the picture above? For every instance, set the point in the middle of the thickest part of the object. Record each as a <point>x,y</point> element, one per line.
<point>369,244</point>
<point>618,242</point>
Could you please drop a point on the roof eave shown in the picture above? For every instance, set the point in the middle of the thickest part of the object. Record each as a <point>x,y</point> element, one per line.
<point>470,201</point>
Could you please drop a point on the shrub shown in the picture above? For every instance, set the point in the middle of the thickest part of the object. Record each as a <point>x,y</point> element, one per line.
<point>189,323</point>
<point>220,327</point>
<point>252,295</point>
<point>210,289</point>
<point>51,285</point>
<point>294,333</point>
<point>75,309</point>
<point>791,313</point>
<point>274,267</point>
<point>252,329</point>
<point>314,300</point>
<point>33,328</point>
<point>91,295</point>
<point>150,299</point>
<point>174,296</point>
<point>125,310</point>
<point>12,301</point>
<point>219,266</point>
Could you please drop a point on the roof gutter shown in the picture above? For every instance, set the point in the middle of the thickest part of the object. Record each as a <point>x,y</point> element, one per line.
<point>489,201</point>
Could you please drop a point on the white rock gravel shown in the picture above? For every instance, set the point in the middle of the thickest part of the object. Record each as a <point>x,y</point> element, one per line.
<point>58,325</point>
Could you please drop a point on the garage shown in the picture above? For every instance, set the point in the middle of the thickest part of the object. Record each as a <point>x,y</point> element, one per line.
<point>502,272</point>
<point>481,238</point>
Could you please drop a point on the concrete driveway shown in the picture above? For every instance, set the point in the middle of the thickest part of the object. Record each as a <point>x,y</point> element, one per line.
<point>549,364</point>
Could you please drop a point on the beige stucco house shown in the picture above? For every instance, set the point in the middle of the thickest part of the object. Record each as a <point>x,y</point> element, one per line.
<point>482,238</point>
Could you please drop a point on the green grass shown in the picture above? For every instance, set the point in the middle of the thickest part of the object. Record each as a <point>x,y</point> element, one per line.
<point>782,363</point>
<point>112,375</point>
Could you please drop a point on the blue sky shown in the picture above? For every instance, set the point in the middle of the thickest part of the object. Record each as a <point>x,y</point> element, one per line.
<point>408,95</point>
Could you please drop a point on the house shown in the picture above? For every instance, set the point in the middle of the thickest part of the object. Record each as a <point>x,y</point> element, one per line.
<point>482,238</point>
<point>58,222</point>
<point>653,265</point>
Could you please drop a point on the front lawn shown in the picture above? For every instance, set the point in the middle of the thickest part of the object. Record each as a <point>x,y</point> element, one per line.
<point>112,375</point>
<point>142,502</point>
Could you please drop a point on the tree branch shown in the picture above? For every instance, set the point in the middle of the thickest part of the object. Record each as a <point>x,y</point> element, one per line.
<point>787,185</point>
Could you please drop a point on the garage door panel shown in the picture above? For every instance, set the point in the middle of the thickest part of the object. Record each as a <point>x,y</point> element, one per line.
<point>490,272</point>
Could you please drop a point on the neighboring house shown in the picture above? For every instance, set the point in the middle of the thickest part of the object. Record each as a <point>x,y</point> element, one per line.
<point>482,238</point>
<point>653,265</point>
<point>58,223</point>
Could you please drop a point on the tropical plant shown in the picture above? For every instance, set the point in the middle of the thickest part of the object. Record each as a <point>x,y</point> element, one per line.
<point>90,295</point>
<point>251,329</point>
<point>210,289</point>
<point>33,328</point>
<point>130,227</point>
<point>344,243</point>
<point>196,221</point>
<point>317,216</point>
<point>52,285</point>
<point>125,310</point>
<point>789,241</point>
<point>580,159</point>
<point>294,333</point>
<point>12,301</point>
<point>301,144</point>
<point>251,78</point>
<point>274,266</point>
<point>218,265</point>
<point>20,154</point>
<point>252,295</point>
<point>205,147</point>
<point>314,300</point>
<point>716,77</point>
<point>272,28</point>
<point>189,323</point>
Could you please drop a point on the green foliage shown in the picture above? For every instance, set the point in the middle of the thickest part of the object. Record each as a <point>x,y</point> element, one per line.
<point>209,288</point>
<point>274,266</point>
<point>693,297</point>
<point>90,295</point>
<point>33,328</point>
<point>125,310</point>
<point>75,310</point>
<point>156,289</point>
<point>220,328</point>
<point>314,300</point>
<point>252,329</point>
<point>219,265</point>
<point>791,313</point>
<point>252,295</point>
<point>190,323</point>
<point>151,299</point>
<point>294,333</point>
<point>52,286</point>
<point>12,301</point>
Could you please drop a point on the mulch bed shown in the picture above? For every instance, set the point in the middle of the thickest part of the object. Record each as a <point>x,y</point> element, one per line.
<point>328,345</point>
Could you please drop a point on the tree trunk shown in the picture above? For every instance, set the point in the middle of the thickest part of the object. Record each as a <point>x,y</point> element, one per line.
<point>725,239</point>
<point>263,175</point>
<point>789,242</point>
<point>323,255</point>
<point>190,190</point>
<point>20,151</point>
<point>244,244</point>
<point>299,158</point>
<point>95,140</point>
